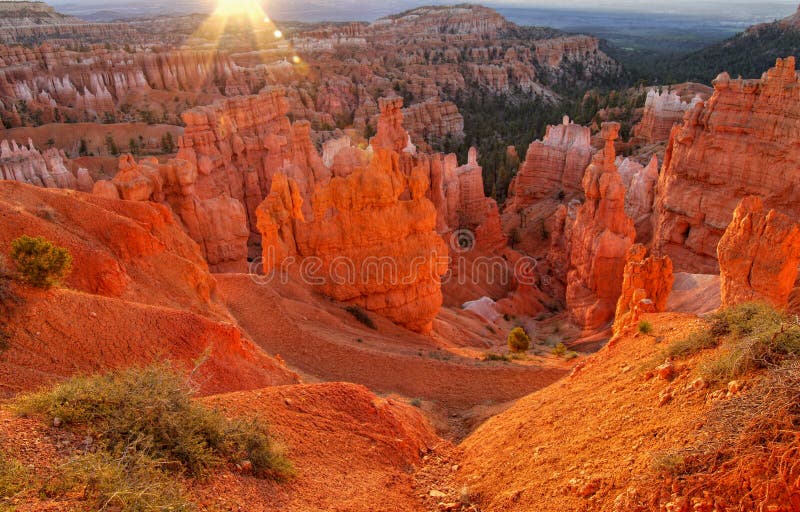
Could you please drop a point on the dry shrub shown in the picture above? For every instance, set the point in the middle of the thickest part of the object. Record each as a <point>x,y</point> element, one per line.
<point>753,460</point>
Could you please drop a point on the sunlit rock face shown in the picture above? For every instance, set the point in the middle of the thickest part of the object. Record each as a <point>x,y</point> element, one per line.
<point>601,235</point>
<point>758,255</point>
<point>737,143</point>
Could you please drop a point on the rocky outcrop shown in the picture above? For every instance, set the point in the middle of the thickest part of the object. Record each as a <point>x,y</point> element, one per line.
<point>433,120</point>
<point>19,14</point>
<point>758,255</point>
<point>738,143</point>
<point>48,169</point>
<point>391,134</point>
<point>640,184</point>
<point>554,165</point>
<point>601,236</point>
<point>218,224</point>
<point>238,145</point>
<point>646,286</point>
<point>373,233</point>
<point>662,110</point>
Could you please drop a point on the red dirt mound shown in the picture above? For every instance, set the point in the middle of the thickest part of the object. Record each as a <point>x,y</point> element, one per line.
<point>140,291</point>
<point>59,333</point>
<point>131,250</point>
<point>588,442</point>
<point>352,451</point>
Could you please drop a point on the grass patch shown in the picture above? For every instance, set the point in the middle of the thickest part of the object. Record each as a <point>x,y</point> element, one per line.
<point>753,336</point>
<point>693,343</point>
<point>14,477</point>
<point>671,463</point>
<point>129,481</point>
<point>645,327</point>
<point>150,412</point>
<point>750,336</point>
<point>362,316</point>
<point>560,349</point>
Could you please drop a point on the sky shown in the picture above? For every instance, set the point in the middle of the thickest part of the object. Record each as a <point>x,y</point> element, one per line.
<point>739,10</point>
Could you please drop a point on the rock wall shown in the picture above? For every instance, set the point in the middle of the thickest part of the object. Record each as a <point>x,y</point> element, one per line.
<point>758,255</point>
<point>640,185</point>
<point>738,143</point>
<point>646,286</point>
<point>662,110</point>
<point>433,120</point>
<point>601,236</point>
<point>553,165</point>
<point>48,169</point>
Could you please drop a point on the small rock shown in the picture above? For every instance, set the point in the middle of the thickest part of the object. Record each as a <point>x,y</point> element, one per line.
<point>57,422</point>
<point>454,467</point>
<point>664,397</point>
<point>287,401</point>
<point>735,386</point>
<point>246,466</point>
<point>666,371</point>
<point>436,494</point>
<point>699,384</point>
<point>588,489</point>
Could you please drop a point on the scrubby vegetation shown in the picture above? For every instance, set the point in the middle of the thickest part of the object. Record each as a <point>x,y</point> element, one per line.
<point>751,336</point>
<point>518,340</point>
<point>362,316</point>
<point>645,327</point>
<point>39,262</point>
<point>147,429</point>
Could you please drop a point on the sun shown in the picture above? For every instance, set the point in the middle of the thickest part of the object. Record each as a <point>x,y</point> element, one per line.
<point>252,8</point>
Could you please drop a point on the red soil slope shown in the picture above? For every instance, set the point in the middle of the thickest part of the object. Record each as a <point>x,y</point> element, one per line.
<point>60,333</point>
<point>585,441</point>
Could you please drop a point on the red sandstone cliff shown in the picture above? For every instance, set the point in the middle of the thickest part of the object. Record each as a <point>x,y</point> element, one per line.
<point>737,143</point>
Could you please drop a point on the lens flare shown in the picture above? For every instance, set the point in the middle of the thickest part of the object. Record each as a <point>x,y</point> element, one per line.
<point>278,34</point>
<point>296,59</point>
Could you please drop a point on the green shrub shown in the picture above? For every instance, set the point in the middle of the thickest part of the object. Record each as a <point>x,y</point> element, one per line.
<point>645,327</point>
<point>560,349</point>
<point>150,411</point>
<point>39,262</point>
<point>518,340</point>
<point>362,316</point>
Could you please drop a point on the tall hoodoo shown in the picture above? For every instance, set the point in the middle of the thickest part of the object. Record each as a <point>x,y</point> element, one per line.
<point>759,255</point>
<point>601,236</point>
<point>738,143</point>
